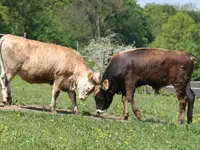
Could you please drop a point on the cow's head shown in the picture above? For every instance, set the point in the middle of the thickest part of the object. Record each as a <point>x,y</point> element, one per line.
<point>85,85</point>
<point>103,97</point>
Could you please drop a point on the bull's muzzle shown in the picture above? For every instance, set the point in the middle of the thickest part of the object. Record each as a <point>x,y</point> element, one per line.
<point>99,111</point>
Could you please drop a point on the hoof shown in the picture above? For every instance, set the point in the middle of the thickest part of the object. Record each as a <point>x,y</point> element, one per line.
<point>2,104</point>
<point>52,110</point>
<point>6,103</point>
<point>138,114</point>
<point>76,112</point>
<point>124,117</point>
<point>182,122</point>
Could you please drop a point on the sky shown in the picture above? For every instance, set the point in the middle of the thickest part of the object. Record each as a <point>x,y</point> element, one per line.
<point>144,2</point>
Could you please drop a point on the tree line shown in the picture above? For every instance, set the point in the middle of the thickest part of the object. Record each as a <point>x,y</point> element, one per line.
<point>75,23</point>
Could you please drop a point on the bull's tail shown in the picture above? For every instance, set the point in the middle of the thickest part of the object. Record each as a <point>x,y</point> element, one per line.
<point>193,57</point>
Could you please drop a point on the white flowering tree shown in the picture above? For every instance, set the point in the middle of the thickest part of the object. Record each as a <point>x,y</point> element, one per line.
<point>99,51</point>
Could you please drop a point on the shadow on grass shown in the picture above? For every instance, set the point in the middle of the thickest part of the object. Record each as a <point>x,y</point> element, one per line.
<point>97,116</point>
<point>45,109</point>
<point>37,108</point>
<point>154,121</point>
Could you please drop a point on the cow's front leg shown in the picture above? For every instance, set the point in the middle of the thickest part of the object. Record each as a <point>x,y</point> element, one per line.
<point>53,100</point>
<point>72,96</point>
<point>55,93</point>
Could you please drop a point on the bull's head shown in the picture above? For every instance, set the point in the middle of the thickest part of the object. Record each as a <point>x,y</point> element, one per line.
<point>103,97</point>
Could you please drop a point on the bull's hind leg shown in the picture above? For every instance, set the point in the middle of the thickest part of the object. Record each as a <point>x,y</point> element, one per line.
<point>190,99</point>
<point>182,99</point>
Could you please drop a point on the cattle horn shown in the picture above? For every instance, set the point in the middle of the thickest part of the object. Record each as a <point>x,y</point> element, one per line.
<point>105,84</point>
<point>96,77</point>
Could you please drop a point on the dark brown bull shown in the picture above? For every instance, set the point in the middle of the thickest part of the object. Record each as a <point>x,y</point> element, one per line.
<point>158,68</point>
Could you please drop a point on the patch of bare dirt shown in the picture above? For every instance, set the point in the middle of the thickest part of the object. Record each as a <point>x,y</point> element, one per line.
<point>33,108</point>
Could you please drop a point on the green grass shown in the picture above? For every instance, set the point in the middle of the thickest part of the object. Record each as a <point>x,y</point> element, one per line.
<point>37,130</point>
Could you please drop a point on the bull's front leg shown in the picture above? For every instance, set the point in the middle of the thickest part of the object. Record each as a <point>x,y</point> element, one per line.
<point>72,96</point>
<point>125,111</point>
<point>136,111</point>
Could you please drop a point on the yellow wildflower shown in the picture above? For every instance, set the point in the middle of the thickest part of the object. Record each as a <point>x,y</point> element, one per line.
<point>126,142</point>
<point>193,121</point>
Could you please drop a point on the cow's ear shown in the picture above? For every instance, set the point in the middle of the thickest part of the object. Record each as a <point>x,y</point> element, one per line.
<point>105,84</point>
<point>90,75</point>
<point>96,77</point>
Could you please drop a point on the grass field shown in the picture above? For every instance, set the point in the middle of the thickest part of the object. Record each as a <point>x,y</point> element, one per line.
<point>40,130</point>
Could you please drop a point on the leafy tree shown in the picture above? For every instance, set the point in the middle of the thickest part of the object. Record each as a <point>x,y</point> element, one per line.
<point>177,33</point>
<point>130,23</point>
<point>3,17</point>
<point>37,19</point>
<point>157,15</point>
<point>90,19</point>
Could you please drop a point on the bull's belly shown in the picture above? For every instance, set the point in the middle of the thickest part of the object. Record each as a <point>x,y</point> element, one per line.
<point>155,84</point>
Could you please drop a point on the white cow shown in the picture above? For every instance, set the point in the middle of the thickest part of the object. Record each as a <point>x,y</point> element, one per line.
<point>37,62</point>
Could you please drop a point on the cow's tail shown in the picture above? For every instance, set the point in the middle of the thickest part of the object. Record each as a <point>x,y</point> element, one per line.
<point>3,68</point>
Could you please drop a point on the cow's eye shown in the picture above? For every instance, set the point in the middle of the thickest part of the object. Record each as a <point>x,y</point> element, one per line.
<point>88,89</point>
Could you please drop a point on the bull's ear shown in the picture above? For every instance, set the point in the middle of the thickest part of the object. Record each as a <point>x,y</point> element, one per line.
<point>105,84</point>
<point>90,75</point>
<point>96,77</point>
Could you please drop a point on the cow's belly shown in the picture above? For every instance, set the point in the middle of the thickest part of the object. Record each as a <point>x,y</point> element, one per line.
<point>36,76</point>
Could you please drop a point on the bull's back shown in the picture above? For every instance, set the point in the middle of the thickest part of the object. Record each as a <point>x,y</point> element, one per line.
<point>155,67</point>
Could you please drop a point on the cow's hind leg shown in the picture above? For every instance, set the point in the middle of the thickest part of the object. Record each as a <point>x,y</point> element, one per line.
<point>190,99</point>
<point>72,96</point>
<point>57,85</point>
<point>6,90</point>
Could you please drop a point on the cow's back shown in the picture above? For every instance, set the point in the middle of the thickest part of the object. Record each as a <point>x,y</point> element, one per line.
<point>39,62</point>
